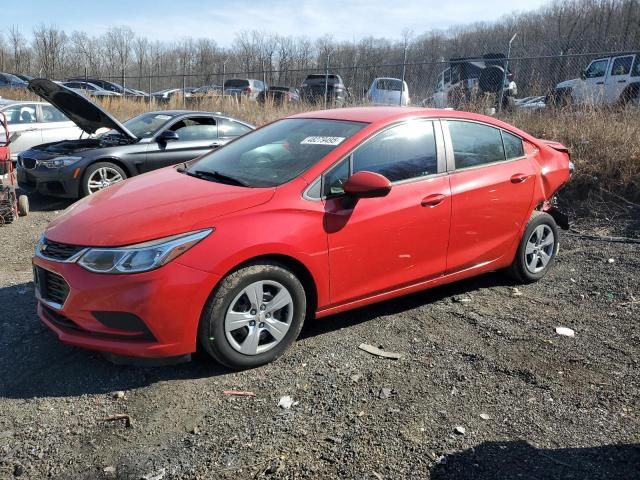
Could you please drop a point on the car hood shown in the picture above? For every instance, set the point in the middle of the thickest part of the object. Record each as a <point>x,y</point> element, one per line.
<point>568,83</point>
<point>150,206</point>
<point>82,111</point>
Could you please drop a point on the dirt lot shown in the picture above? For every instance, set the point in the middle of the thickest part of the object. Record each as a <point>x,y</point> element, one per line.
<point>476,355</point>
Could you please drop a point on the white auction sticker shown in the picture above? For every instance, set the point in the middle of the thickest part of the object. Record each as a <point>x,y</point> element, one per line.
<point>322,141</point>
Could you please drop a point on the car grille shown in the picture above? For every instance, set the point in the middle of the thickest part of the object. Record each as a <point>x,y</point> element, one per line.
<point>28,163</point>
<point>58,251</point>
<point>50,286</point>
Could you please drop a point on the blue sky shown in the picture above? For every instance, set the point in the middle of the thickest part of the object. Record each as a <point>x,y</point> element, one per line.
<point>221,20</point>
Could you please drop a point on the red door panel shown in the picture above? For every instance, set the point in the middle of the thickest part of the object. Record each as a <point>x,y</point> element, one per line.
<point>489,205</point>
<point>391,241</point>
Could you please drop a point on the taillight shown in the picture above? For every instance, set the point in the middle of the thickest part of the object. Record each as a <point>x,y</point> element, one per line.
<point>246,90</point>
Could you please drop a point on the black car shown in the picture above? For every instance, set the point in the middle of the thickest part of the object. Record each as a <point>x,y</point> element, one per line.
<point>7,80</point>
<point>279,95</point>
<point>111,87</point>
<point>74,168</point>
<point>313,89</point>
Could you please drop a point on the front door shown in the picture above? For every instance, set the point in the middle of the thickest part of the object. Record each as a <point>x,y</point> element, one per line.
<point>380,244</point>
<point>492,187</point>
<point>590,90</point>
<point>197,135</point>
<point>23,122</point>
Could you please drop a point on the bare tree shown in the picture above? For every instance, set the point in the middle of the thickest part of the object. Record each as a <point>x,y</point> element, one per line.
<point>49,45</point>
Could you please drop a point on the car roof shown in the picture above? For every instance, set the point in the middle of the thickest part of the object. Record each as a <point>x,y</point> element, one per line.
<point>6,102</point>
<point>385,115</point>
<point>180,113</point>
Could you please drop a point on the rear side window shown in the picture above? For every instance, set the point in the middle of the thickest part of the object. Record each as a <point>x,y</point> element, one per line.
<point>229,128</point>
<point>52,114</point>
<point>475,144</point>
<point>512,145</point>
<point>621,66</point>
<point>400,153</point>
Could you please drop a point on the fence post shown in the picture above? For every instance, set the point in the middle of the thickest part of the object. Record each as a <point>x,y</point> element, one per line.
<point>151,98</point>
<point>124,82</point>
<point>326,79</point>
<point>504,77</point>
<point>404,67</point>
<point>184,90</point>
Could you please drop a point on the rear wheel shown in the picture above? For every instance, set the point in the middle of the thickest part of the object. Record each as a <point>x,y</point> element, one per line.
<point>537,249</point>
<point>101,175</point>
<point>253,316</point>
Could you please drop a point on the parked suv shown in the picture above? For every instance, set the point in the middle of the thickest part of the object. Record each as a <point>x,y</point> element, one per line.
<point>244,88</point>
<point>469,77</point>
<point>312,89</point>
<point>605,81</point>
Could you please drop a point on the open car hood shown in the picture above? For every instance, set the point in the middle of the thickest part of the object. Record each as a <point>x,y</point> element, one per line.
<point>81,111</point>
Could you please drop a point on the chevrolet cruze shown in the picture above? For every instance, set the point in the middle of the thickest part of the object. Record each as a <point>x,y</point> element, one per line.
<point>308,216</point>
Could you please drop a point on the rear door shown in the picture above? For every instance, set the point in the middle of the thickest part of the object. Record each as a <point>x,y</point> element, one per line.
<point>56,126</point>
<point>492,185</point>
<point>618,79</point>
<point>197,135</point>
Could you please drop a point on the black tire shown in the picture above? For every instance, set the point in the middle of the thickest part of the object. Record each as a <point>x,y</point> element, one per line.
<point>211,331</point>
<point>84,186</point>
<point>519,269</point>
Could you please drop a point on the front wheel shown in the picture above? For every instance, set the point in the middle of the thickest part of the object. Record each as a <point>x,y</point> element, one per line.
<point>101,175</point>
<point>253,316</point>
<point>537,249</point>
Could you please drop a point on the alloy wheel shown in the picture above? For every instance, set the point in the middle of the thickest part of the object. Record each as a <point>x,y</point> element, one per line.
<point>103,178</point>
<point>259,317</point>
<point>539,249</point>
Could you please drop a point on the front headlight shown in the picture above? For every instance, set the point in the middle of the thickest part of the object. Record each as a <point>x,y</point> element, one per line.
<point>141,257</point>
<point>59,162</point>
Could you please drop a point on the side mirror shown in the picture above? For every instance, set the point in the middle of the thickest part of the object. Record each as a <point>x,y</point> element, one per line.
<point>367,185</point>
<point>168,136</point>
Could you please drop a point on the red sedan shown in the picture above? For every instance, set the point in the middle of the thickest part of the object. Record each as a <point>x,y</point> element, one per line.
<point>308,216</point>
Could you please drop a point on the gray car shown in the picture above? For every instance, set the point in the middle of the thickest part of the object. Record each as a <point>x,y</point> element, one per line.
<point>149,141</point>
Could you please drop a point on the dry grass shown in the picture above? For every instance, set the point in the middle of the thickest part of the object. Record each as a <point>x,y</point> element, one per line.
<point>604,143</point>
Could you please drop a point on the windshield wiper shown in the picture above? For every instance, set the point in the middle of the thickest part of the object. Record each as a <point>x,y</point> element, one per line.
<point>215,177</point>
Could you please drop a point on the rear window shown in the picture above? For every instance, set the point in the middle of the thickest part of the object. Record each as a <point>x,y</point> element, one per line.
<point>389,84</point>
<point>279,152</point>
<point>236,83</point>
<point>319,78</point>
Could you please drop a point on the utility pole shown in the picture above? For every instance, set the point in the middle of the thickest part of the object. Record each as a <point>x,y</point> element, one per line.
<point>506,69</point>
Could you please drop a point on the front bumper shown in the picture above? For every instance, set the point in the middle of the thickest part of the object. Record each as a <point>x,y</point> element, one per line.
<point>151,315</point>
<point>57,182</point>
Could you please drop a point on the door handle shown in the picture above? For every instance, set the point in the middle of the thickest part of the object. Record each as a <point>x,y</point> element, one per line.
<point>599,83</point>
<point>519,178</point>
<point>215,145</point>
<point>622,81</point>
<point>432,200</point>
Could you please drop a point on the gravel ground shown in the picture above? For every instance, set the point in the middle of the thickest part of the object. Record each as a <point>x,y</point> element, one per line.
<point>485,388</point>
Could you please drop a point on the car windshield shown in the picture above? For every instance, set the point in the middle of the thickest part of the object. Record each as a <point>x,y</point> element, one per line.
<point>277,153</point>
<point>145,125</point>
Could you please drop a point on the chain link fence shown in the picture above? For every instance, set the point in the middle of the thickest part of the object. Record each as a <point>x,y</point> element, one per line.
<point>487,81</point>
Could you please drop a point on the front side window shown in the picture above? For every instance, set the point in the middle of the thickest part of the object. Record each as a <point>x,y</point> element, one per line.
<point>475,143</point>
<point>598,68</point>
<point>621,66</point>
<point>399,153</point>
<point>52,114</point>
<point>21,114</point>
<point>195,128</point>
<point>513,147</point>
<point>277,153</point>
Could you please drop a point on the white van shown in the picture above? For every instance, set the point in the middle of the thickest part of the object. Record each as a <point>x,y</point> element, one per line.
<point>386,91</point>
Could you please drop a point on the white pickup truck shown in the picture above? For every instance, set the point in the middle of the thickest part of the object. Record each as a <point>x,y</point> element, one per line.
<point>605,81</point>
